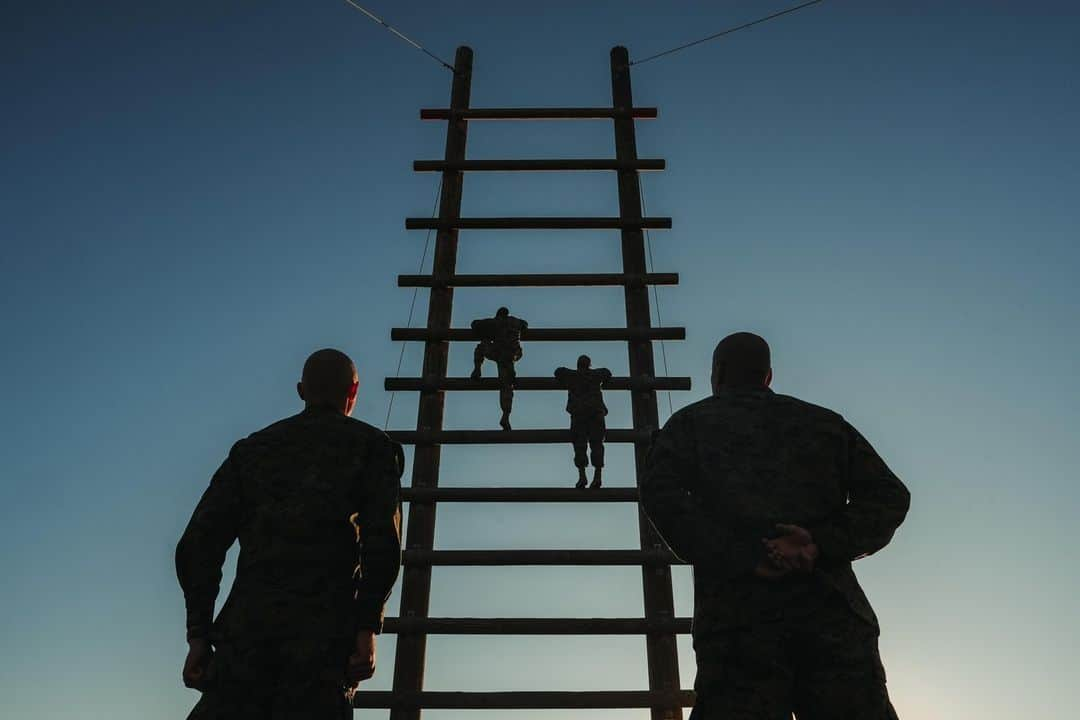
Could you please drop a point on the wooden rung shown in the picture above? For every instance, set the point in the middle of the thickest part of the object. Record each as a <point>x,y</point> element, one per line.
<point>536,165</point>
<point>549,113</point>
<point>535,626</point>
<point>525,700</point>
<point>530,383</point>
<point>537,223</point>
<point>508,437</point>
<point>546,334</point>
<point>476,558</point>
<point>519,494</point>
<point>539,280</point>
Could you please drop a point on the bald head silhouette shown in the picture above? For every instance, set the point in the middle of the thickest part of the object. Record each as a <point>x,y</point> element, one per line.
<point>329,379</point>
<point>741,359</point>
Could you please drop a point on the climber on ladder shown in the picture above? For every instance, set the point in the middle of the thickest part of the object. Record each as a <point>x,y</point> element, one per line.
<point>500,342</point>
<point>585,403</point>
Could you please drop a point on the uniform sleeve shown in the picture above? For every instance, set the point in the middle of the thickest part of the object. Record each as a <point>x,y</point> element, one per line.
<point>379,521</point>
<point>605,375</point>
<point>669,500</point>
<point>877,503</point>
<point>561,373</point>
<point>201,551</point>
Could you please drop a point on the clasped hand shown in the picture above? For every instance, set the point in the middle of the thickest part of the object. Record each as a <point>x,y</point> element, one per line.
<point>794,551</point>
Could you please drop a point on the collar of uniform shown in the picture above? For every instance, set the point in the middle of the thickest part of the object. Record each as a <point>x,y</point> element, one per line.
<point>743,390</point>
<point>321,410</point>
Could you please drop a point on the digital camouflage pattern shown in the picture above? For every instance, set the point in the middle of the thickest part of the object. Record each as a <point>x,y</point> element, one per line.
<point>585,403</point>
<point>722,474</point>
<point>314,501</point>
<point>819,661</point>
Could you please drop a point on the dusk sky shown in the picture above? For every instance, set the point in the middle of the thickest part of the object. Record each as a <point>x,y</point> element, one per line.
<point>194,196</point>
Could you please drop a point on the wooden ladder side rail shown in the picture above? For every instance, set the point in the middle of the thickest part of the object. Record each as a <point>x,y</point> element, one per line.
<point>466,384</point>
<point>543,113</point>
<point>410,655</point>
<point>538,280</point>
<point>535,626</point>
<point>525,700</point>
<point>660,648</point>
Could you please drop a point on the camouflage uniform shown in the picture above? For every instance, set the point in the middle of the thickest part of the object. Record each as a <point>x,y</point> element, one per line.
<point>585,403</point>
<point>307,497</point>
<point>723,472</point>
<point>501,343</point>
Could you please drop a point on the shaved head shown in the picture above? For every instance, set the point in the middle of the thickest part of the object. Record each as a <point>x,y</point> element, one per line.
<point>741,359</point>
<point>329,378</point>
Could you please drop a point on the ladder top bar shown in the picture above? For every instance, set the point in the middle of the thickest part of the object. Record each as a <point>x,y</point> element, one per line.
<point>507,437</point>
<point>548,113</point>
<point>537,165</point>
<point>525,700</point>
<point>519,494</point>
<point>539,280</point>
<point>530,383</point>
<point>535,626</point>
<point>537,223</point>
<point>546,334</point>
<point>487,558</point>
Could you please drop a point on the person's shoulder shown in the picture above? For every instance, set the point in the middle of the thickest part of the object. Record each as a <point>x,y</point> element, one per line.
<point>271,432</point>
<point>364,429</point>
<point>369,436</point>
<point>694,409</point>
<point>808,410</point>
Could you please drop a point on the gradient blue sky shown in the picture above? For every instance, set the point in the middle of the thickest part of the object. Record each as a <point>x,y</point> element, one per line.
<point>195,195</point>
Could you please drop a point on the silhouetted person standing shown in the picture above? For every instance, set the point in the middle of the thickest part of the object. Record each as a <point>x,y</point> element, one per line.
<point>500,342</point>
<point>771,499</point>
<point>314,501</point>
<point>585,403</point>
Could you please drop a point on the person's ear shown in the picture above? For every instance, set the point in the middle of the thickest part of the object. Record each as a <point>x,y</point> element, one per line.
<point>717,377</point>
<point>354,389</point>
<point>768,378</point>
<point>300,391</point>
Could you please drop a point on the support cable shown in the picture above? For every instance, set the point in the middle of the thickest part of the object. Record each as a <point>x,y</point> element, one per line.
<point>722,33</point>
<point>401,35</point>
<point>412,305</point>
<point>656,292</point>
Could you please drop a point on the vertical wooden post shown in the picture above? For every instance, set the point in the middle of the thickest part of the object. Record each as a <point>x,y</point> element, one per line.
<point>660,648</point>
<point>416,582</point>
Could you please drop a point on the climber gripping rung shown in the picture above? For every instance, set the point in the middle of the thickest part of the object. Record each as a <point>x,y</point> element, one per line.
<point>476,558</point>
<point>537,223</point>
<point>536,165</point>
<point>549,113</point>
<point>531,383</point>
<point>519,494</point>
<point>525,700</point>
<point>508,437</point>
<point>539,280</point>
<point>546,334</point>
<point>535,626</point>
